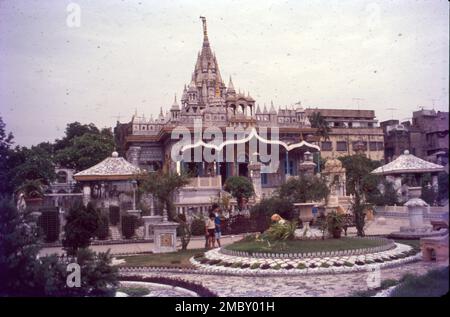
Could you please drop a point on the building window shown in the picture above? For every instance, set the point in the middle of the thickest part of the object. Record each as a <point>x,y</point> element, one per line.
<point>373,146</point>
<point>327,146</point>
<point>341,146</point>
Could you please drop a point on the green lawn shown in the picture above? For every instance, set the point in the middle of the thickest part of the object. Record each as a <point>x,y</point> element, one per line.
<point>301,246</point>
<point>174,259</point>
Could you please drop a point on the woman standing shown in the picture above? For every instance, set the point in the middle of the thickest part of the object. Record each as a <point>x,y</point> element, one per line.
<point>210,230</point>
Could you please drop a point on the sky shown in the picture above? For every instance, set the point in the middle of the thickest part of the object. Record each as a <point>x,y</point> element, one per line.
<point>126,56</point>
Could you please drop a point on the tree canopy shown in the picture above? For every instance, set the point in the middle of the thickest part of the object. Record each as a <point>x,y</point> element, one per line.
<point>304,189</point>
<point>239,187</point>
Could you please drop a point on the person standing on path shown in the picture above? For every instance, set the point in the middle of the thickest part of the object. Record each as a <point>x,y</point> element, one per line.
<point>210,230</point>
<point>218,223</point>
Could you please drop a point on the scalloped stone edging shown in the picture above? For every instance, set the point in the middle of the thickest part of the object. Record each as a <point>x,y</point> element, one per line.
<point>277,268</point>
<point>268,255</point>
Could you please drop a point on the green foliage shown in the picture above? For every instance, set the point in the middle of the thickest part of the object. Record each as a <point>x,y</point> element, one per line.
<point>18,250</point>
<point>86,150</point>
<point>32,188</point>
<point>6,141</point>
<point>34,163</point>
<point>198,227</point>
<point>280,231</point>
<point>73,130</point>
<point>361,184</point>
<point>22,273</point>
<point>114,215</point>
<point>102,232</point>
<point>304,189</point>
<point>163,186</point>
<point>81,226</point>
<point>382,198</point>
<point>239,187</point>
<point>98,276</point>
<point>335,223</point>
<point>128,226</point>
<point>260,213</point>
<point>318,122</point>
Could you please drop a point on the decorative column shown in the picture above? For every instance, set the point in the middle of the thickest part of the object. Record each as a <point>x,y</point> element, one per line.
<point>307,167</point>
<point>86,194</point>
<point>165,235</point>
<point>434,182</point>
<point>255,175</point>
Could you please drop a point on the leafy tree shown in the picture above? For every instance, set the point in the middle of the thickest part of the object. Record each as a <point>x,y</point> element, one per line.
<point>361,184</point>
<point>163,187</point>
<point>18,250</point>
<point>81,225</point>
<point>23,273</point>
<point>239,187</point>
<point>86,150</point>
<point>318,122</point>
<point>34,163</point>
<point>6,141</point>
<point>323,130</point>
<point>73,130</point>
<point>304,189</point>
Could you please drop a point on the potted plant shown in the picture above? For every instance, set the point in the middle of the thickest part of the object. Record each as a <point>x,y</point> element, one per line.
<point>335,222</point>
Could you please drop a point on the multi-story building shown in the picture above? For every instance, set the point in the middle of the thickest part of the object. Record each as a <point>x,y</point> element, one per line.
<point>351,131</point>
<point>426,136</point>
<point>430,134</point>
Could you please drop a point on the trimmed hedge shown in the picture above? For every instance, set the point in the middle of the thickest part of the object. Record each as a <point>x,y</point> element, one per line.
<point>198,227</point>
<point>128,226</point>
<point>114,215</point>
<point>103,228</point>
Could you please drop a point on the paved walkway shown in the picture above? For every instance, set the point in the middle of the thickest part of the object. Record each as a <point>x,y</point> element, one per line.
<point>337,285</point>
<point>195,243</point>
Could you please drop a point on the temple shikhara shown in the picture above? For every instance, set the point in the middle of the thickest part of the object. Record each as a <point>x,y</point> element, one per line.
<point>206,99</point>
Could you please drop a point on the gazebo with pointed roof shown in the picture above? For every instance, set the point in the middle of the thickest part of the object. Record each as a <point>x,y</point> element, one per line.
<point>113,168</point>
<point>408,164</point>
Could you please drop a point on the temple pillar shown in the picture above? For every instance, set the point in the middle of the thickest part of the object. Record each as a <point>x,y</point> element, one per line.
<point>86,194</point>
<point>434,183</point>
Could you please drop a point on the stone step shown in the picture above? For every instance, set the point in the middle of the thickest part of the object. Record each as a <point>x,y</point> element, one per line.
<point>115,233</point>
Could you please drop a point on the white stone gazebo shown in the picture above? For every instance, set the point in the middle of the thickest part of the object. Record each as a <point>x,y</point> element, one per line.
<point>107,179</point>
<point>409,164</point>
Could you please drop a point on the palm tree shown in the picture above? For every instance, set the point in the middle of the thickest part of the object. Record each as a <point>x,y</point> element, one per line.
<point>323,130</point>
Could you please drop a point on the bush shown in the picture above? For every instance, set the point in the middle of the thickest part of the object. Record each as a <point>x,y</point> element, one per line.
<point>81,225</point>
<point>198,227</point>
<point>280,231</point>
<point>128,226</point>
<point>236,225</point>
<point>103,228</point>
<point>260,213</point>
<point>114,215</point>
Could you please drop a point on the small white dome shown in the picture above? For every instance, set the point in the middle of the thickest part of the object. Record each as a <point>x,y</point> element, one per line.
<point>115,154</point>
